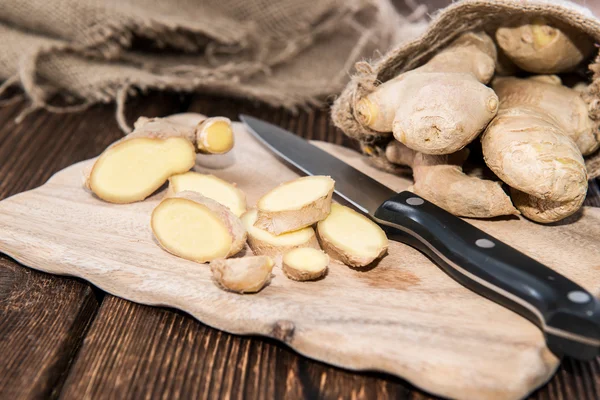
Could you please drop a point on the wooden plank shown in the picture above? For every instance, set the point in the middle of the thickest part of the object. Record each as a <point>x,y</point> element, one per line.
<point>42,317</point>
<point>133,351</point>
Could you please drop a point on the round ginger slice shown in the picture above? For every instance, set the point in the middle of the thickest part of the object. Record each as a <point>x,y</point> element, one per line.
<point>197,228</point>
<point>242,275</point>
<point>305,264</point>
<point>133,169</point>
<point>265,243</point>
<point>212,187</point>
<point>295,204</point>
<point>215,135</point>
<point>351,237</point>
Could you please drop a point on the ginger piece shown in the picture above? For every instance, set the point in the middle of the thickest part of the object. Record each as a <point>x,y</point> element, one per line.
<point>265,243</point>
<point>543,47</point>
<point>209,186</point>
<point>351,237</point>
<point>530,144</point>
<point>441,106</point>
<point>544,211</point>
<point>305,264</point>
<point>547,94</point>
<point>242,275</point>
<point>440,179</point>
<point>197,228</point>
<point>295,204</point>
<point>134,167</point>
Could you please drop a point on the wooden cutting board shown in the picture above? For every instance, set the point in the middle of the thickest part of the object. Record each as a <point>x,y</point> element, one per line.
<point>403,316</point>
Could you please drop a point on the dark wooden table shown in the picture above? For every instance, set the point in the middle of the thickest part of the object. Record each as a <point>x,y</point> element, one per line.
<point>62,337</point>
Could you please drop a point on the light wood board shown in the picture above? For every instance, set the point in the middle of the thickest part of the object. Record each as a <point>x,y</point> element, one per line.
<point>404,316</point>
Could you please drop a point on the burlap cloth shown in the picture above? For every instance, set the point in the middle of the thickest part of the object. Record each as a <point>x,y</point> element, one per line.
<point>446,26</point>
<point>75,53</point>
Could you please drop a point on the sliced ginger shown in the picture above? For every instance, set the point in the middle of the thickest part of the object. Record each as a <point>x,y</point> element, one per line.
<point>197,228</point>
<point>215,135</point>
<point>265,243</point>
<point>212,187</point>
<point>242,275</point>
<point>351,237</point>
<point>134,168</point>
<point>295,204</point>
<point>305,264</point>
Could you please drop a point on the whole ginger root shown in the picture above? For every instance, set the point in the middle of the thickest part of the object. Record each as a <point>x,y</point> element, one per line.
<point>441,180</point>
<point>441,106</point>
<point>539,46</point>
<point>531,145</point>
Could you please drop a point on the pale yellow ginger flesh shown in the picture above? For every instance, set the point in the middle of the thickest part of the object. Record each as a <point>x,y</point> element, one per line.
<point>305,264</point>
<point>242,275</point>
<point>212,187</point>
<point>440,179</point>
<point>546,94</point>
<point>440,107</point>
<point>295,204</point>
<point>265,243</point>
<point>543,47</point>
<point>133,169</point>
<point>197,228</point>
<point>215,135</point>
<point>351,237</point>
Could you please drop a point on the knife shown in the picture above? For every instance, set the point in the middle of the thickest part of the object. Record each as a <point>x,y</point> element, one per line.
<point>568,315</point>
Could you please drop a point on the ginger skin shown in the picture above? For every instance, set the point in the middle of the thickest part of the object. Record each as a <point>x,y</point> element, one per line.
<point>441,106</point>
<point>242,275</point>
<point>541,47</point>
<point>440,179</point>
<point>528,146</point>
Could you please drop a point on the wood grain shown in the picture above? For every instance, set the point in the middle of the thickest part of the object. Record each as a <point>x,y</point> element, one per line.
<point>475,349</point>
<point>43,317</point>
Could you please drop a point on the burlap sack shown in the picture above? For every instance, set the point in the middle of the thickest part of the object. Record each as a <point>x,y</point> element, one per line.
<point>285,52</point>
<point>448,24</point>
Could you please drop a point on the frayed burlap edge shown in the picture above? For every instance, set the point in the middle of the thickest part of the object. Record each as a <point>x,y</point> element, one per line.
<point>448,24</point>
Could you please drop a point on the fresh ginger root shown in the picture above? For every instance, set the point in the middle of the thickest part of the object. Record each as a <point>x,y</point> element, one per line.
<point>547,94</point>
<point>442,106</point>
<point>528,146</point>
<point>296,204</point>
<point>209,186</point>
<point>262,242</point>
<point>136,166</point>
<point>440,179</point>
<point>197,228</point>
<point>242,275</point>
<point>539,46</point>
<point>210,135</point>
<point>351,237</point>
<point>305,264</point>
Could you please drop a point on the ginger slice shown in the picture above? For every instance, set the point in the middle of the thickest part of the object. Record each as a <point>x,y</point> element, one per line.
<point>351,237</point>
<point>197,228</point>
<point>305,264</point>
<point>265,243</point>
<point>295,204</point>
<point>242,275</point>
<point>215,135</point>
<point>135,167</point>
<point>209,186</point>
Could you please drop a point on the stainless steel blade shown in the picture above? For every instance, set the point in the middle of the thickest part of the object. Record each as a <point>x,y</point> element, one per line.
<point>352,185</point>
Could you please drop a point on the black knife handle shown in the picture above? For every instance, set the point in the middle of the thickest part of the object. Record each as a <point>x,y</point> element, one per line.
<point>568,314</point>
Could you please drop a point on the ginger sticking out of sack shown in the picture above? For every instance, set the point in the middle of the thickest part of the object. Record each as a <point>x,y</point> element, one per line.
<point>441,106</point>
<point>539,46</point>
<point>530,146</point>
<point>441,180</point>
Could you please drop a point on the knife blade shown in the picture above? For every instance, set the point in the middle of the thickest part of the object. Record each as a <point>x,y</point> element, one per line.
<point>567,314</point>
